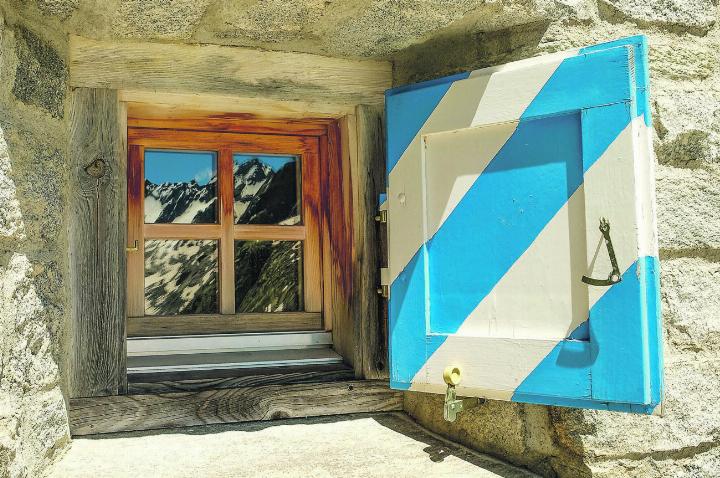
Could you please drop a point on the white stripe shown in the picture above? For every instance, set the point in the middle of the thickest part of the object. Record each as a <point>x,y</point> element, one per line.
<point>541,298</point>
<point>513,90</point>
<point>610,193</point>
<point>645,184</point>
<point>541,295</point>
<point>491,368</point>
<point>453,161</point>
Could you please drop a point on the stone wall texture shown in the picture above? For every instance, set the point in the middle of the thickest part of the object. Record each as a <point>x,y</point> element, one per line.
<point>424,39</point>
<point>33,418</point>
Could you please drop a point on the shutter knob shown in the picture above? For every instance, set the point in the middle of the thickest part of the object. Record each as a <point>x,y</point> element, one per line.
<point>451,375</point>
<point>453,406</point>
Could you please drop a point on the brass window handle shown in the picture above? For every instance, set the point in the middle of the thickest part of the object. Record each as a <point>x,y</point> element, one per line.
<point>134,248</point>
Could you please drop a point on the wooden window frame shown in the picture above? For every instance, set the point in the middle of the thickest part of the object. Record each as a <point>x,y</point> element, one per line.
<point>306,140</point>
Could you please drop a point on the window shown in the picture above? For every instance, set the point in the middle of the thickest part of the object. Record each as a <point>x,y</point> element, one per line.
<point>225,232</point>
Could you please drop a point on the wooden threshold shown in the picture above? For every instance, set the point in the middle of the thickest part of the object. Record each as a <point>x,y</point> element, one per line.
<point>152,326</point>
<point>269,402</point>
<point>197,381</point>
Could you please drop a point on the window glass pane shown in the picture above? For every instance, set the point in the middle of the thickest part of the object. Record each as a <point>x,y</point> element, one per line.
<point>181,277</point>
<point>180,187</point>
<point>268,276</point>
<point>267,189</point>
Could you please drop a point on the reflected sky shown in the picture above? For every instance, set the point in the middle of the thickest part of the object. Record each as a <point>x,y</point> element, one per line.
<point>166,166</point>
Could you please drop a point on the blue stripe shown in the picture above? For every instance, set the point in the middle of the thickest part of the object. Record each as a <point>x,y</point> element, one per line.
<point>407,309</point>
<point>520,190</point>
<point>581,332</point>
<point>651,271</point>
<point>600,127</point>
<point>516,196</point>
<point>609,371</point>
<point>382,197</point>
<point>641,67</point>
<point>408,108</point>
<point>585,81</point>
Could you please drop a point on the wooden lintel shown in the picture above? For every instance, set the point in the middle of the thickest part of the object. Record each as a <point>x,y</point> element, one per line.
<point>171,410</point>
<point>226,70</point>
<point>159,104</point>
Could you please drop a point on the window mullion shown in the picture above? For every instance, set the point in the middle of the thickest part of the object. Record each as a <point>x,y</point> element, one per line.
<point>226,218</point>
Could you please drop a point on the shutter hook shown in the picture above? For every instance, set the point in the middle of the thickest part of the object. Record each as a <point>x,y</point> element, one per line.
<point>614,276</point>
<point>453,406</point>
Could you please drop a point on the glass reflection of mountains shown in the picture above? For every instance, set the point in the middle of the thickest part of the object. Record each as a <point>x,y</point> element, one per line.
<point>268,273</point>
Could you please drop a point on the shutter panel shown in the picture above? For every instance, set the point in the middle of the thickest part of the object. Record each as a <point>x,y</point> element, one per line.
<point>498,182</point>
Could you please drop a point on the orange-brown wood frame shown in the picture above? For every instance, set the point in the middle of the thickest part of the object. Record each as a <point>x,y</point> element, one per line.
<point>232,135</point>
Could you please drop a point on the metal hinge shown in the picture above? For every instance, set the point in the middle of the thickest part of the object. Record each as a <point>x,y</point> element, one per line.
<point>384,287</point>
<point>382,218</point>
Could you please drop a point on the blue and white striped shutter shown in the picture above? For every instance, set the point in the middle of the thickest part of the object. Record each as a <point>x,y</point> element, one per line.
<point>497,182</point>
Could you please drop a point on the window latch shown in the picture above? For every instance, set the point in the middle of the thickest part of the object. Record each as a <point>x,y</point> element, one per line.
<point>453,406</point>
<point>614,276</point>
<point>134,248</point>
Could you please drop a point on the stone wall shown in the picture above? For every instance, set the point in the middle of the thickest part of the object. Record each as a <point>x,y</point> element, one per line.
<point>425,39</point>
<point>33,420</point>
<point>685,81</point>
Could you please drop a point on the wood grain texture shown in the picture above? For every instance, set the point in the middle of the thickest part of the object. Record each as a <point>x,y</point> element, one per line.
<point>145,412</point>
<point>325,232</point>
<point>97,235</point>
<point>183,231</point>
<point>341,147</point>
<point>226,194</point>
<point>159,117</point>
<point>147,103</point>
<point>186,382</point>
<point>204,140</point>
<point>153,326</point>
<point>311,181</point>
<point>226,70</point>
<point>254,232</point>
<point>368,182</point>
<point>136,232</point>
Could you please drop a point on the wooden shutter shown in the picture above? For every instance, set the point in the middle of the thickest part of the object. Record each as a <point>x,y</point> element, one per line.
<point>499,181</point>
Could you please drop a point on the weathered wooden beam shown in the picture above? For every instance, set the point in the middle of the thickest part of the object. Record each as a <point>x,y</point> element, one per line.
<point>235,378</point>
<point>159,104</point>
<point>225,70</point>
<point>144,412</point>
<point>341,149</point>
<point>96,237</point>
<point>368,178</point>
<point>151,326</point>
<point>159,116</point>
